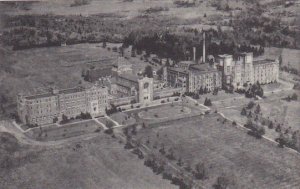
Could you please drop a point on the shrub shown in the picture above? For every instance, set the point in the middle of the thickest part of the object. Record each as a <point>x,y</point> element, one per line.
<point>244,112</point>
<point>255,130</point>
<point>109,124</point>
<point>97,130</point>
<point>64,119</point>
<point>170,154</point>
<point>80,2</point>
<point>250,105</point>
<point>201,171</point>
<point>225,182</point>
<point>207,102</point>
<point>257,110</point>
<point>294,97</point>
<point>271,126</point>
<point>109,131</point>
<point>55,120</point>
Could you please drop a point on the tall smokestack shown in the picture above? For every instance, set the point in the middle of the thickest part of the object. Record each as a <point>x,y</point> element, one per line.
<point>194,54</point>
<point>203,56</point>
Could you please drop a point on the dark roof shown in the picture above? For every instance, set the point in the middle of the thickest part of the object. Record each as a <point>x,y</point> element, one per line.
<point>176,69</point>
<point>121,61</point>
<point>265,61</point>
<point>130,77</point>
<point>45,95</point>
<point>203,68</point>
<point>50,94</point>
<point>187,62</point>
<point>72,90</point>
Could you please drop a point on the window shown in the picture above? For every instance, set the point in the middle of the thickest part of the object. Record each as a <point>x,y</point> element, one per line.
<point>228,68</point>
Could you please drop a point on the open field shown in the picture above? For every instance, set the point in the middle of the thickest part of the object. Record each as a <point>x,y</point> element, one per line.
<point>226,149</point>
<point>96,163</point>
<point>273,107</point>
<point>164,112</point>
<point>123,118</point>
<point>119,8</point>
<point>53,132</point>
<point>283,112</point>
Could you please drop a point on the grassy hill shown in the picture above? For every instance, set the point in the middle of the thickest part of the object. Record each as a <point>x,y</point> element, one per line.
<point>97,163</point>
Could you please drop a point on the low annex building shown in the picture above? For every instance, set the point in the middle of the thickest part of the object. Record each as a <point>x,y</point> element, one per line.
<point>45,108</point>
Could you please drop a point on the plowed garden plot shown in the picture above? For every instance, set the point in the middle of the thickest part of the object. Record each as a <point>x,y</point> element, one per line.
<point>256,163</point>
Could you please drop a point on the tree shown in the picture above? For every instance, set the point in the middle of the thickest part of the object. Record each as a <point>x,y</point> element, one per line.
<point>109,131</point>
<point>225,182</point>
<point>133,131</point>
<point>270,126</point>
<point>104,44</point>
<point>257,110</point>
<point>109,124</point>
<point>294,97</point>
<point>179,162</point>
<point>207,102</point>
<point>250,105</point>
<point>201,91</point>
<point>133,52</point>
<point>201,171</point>
<point>148,72</point>
<point>280,60</point>
<point>215,92</point>
<point>170,154</point>
<point>55,120</point>
<point>244,112</point>
<point>64,119</point>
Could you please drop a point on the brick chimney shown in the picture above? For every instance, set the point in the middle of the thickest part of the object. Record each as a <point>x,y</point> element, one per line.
<point>194,54</point>
<point>203,56</point>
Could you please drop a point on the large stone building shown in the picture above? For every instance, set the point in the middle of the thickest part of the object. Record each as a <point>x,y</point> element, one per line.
<point>45,108</point>
<point>204,76</point>
<point>225,72</point>
<point>245,70</point>
<point>194,77</point>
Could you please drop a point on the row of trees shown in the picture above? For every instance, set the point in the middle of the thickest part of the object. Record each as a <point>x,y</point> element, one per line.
<point>254,90</point>
<point>65,118</point>
<point>179,46</point>
<point>291,140</point>
<point>184,179</point>
<point>255,129</point>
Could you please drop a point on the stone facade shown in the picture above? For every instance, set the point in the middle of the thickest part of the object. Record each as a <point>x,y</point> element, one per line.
<point>205,77</point>
<point>44,108</point>
<point>194,77</point>
<point>245,70</point>
<point>145,91</point>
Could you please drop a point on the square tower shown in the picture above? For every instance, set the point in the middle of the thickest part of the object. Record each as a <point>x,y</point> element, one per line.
<point>145,90</point>
<point>247,61</point>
